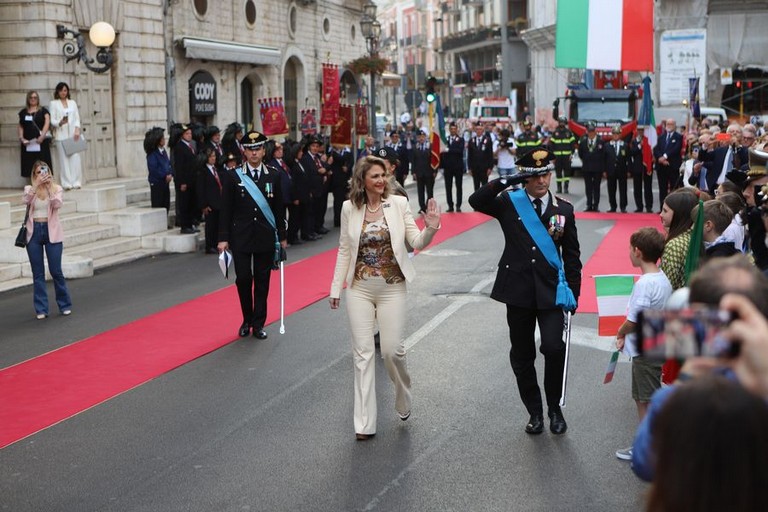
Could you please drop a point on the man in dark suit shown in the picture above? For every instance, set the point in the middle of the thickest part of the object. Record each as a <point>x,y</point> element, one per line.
<point>616,158</point>
<point>718,161</point>
<point>401,172</point>
<point>184,177</point>
<point>452,162</point>
<point>422,171</point>
<point>592,154</point>
<point>341,170</point>
<point>668,157</point>
<point>209,198</point>
<point>243,227</point>
<point>317,168</point>
<point>642,171</point>
<point>480,156</point>
<point>527,283</point>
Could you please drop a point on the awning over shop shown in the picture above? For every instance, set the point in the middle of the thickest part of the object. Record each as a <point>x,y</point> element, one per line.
<point>226,51</point>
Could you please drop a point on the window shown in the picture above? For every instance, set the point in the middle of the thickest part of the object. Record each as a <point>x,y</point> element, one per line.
<point>352,33</point>
<point>250,12</point>
<point>326,26</point>
<point>292,21</point>
<point>201,7</point>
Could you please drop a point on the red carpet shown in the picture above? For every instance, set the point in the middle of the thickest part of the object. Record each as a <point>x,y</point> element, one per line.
<point>50,388</point>
<point>612,255</point>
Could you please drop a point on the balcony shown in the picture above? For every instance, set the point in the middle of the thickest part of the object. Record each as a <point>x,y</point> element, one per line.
<point>470,37</point>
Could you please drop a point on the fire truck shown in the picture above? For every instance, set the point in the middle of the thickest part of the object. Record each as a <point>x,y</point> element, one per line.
<point>606,107</point>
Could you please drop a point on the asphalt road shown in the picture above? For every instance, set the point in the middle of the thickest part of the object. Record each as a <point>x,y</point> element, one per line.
<point>267,425</point>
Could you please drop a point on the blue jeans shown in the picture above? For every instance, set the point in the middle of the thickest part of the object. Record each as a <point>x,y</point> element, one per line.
<point>37,243</point>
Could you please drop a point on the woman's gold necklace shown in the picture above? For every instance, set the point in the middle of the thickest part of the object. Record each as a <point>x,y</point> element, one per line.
<point>367,207</point>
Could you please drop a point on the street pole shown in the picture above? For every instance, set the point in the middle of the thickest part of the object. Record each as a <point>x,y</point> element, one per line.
<point>373,105</point>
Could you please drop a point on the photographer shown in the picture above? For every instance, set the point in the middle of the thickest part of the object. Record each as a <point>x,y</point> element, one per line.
<point>737,286</point>
<point>505,152</point>
<point>754,216</point>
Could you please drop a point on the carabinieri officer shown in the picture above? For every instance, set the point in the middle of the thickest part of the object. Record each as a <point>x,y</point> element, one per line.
<point>252,226</point>
<point>528,284</point>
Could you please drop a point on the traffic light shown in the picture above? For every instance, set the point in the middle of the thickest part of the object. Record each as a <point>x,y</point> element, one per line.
<point>430,88</point>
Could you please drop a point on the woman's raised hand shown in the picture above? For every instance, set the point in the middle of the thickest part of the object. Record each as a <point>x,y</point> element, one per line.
<point>432,216</point>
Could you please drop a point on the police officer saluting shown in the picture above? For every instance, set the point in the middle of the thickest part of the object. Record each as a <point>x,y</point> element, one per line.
<point>252,226</point>
<point>539,278</point>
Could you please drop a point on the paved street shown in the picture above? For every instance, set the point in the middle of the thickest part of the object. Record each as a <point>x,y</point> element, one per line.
<point>267,425</point>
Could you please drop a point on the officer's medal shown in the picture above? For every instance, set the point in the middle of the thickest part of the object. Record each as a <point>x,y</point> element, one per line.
<point>555,226</point>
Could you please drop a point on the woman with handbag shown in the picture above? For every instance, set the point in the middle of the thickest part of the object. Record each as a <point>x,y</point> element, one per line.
<point>43,199</point>
<point>34,134</point>
<point>374,262</point>
<point>65,118</point>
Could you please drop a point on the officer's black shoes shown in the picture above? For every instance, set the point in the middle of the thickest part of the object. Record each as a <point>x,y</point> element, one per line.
<point>245,330</point>
<point>260,334</point>
<point>535,424</point>
<point>557,423</point>
<point>323,231</point>
<point>458,209</point>
<point>450,209</point>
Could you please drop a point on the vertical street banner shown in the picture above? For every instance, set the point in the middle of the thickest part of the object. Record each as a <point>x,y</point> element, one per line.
<point>329,114</point>
<point>693,87</point>
<point>604,34</point>
<point>308,122</point>
<point>341,132</point>
<point>361,118</point>
<point>273,120</point>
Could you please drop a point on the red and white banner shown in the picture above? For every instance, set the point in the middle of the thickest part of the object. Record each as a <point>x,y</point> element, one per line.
<point>329,114</point>
<point>273,120</point>
<point>361,118</point>
<point>341,132</point>
<point>308,121</point>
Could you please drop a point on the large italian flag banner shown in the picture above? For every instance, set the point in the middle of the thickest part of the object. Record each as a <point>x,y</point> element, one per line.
<point>613,293</point>
<point>604,34</point>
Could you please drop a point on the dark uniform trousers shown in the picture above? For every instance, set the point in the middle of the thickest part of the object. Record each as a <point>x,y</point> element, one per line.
<point>251,239</point>
<point>526,283</point>
<point>452,162</point>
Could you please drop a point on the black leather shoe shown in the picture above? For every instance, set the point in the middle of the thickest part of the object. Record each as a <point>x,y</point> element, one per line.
<point>612,210</point>
<point>458,209</point>
<point>649,210</point>
<point>623,210</point>
<point>557,423</point>
<point>535,424</point>
<point>323,231</point>
<point>260,334</point>
<point>588,209</point>
<point>450,209</point>
<point>245,330</point>
<point>295,242</point>
<point>187,231</point>
<point>638,210</point>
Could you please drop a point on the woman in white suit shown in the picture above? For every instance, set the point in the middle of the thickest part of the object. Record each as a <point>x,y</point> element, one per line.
<point>374,262</point>
<point>65,119</point>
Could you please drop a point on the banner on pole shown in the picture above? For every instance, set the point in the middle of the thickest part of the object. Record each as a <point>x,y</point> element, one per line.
<point>329,114</point>
<point>341,132</point>
<point>273,120</point>
<point>361,119</point>
<point>308,121</point>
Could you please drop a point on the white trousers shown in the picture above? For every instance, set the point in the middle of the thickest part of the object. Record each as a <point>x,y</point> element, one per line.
<point>70,169</point>
<point>368,301</point>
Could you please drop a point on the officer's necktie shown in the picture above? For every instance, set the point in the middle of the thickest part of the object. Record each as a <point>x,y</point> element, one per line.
<point>537,205</point>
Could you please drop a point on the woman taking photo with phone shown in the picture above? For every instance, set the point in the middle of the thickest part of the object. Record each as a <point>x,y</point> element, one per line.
<point>44,198</point>
<point>65,118</point>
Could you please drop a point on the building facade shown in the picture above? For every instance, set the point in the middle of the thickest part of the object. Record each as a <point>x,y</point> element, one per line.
<point>174,61</point>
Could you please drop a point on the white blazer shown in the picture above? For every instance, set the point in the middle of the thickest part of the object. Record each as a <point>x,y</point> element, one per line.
<point>402,227</point>
<point>57,114</point>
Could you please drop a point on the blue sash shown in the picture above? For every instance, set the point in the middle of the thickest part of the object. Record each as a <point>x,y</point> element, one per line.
<point>261,201</point>
<point>564,297</point>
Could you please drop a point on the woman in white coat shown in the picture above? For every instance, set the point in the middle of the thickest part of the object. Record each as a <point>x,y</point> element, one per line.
<point>65,119</point>
<point>374,262</point>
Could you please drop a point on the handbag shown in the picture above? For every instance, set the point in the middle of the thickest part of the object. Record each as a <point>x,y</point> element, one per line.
<point>21,238</point>
<point>72,146</point>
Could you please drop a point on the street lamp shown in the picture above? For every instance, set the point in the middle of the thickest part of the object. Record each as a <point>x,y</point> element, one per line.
<point>101,34</point>
<point>371,30</point>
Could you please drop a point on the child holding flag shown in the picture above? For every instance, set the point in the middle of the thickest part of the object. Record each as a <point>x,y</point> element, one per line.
<point>651,291</point>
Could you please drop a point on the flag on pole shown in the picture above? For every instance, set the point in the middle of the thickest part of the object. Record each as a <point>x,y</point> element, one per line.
<point>693,89</point>
<point>604,34</point>
<point>647,119</point>
<point>611,369</point>
<point>613,293</point>
<point>436,131</point>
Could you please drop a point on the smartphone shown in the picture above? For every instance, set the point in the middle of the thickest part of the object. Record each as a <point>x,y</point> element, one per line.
<point>43,170</point>
<point>680,334</point>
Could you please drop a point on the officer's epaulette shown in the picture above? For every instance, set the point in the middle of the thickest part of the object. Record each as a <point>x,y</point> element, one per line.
<point>559,198</point>
<point>271,168</point>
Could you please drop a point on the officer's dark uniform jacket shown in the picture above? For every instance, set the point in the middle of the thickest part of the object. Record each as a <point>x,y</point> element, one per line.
<point>592,156</point>
<point>242,223</point>
<point>525,278</point>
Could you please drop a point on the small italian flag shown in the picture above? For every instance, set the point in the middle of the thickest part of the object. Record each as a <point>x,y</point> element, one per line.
<point>613,293</point>
<point>604,34</point>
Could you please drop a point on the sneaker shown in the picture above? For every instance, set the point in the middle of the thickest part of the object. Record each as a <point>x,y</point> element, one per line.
<point>66,312</point>
<point>625,454</point>
<point>41,316</point>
